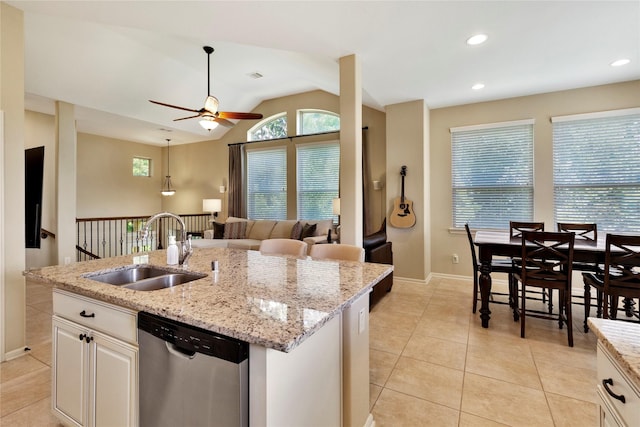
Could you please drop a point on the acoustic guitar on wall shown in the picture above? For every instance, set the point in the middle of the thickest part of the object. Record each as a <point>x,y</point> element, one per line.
<point>402,215</point>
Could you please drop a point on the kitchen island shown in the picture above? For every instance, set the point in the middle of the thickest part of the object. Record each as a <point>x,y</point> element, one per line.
<point>306,322</point>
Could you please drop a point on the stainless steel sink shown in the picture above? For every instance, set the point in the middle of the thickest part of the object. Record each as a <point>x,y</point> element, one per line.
<point>161,282</point>
<point>144,277</point>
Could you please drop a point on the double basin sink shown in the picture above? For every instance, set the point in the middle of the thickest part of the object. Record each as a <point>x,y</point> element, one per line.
<point>144,277</point>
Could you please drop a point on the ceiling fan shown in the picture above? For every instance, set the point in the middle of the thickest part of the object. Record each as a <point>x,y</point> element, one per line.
<point>211,117</point>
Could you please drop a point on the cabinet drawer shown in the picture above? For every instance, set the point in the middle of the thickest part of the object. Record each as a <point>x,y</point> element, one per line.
<point>608,368</point>
<point>116,321</point>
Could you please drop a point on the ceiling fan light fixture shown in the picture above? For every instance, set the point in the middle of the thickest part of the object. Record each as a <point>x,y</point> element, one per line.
<point>209,123</point>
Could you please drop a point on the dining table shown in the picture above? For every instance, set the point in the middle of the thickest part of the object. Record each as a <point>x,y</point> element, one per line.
<point>500,243</point>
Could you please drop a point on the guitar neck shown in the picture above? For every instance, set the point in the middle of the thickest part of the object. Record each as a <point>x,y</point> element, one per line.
<point>402,192</point>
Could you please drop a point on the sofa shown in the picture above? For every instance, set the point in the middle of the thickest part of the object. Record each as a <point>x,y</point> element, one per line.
<point>242,233</point>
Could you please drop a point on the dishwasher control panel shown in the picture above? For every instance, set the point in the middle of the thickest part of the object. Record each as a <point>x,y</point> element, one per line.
<point>193,339</point>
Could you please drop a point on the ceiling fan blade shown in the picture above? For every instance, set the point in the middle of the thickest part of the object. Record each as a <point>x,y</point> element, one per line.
<point>224,122</point>
<point>185,118</point>
<point>239,116</point>
<point>175,106</point>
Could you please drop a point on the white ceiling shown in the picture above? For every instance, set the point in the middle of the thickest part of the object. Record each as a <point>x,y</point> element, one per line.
<point>110,58</point>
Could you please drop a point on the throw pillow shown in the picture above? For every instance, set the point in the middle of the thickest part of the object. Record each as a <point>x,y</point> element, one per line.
<point>296,231</point>
<point>308,230</point>
<point>218,230</point>
<point>235,230</point>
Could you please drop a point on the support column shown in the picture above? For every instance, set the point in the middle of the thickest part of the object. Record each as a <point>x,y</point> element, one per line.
<point>66,182</point>
<point>355,320</point>
<point>350,151</point>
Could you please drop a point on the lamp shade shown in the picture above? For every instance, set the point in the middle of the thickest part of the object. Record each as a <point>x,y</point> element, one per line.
<point>211,205</point>
<point>336,206</point>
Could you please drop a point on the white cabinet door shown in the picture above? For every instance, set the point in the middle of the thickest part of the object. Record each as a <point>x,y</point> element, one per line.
<point>70,382</point>
<point>114,382</point>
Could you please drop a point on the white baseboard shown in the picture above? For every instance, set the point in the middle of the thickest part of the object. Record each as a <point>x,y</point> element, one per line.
<point>14,354</point>
<point>370,421</point>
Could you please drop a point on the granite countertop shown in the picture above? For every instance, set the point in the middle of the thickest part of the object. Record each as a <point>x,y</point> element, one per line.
<point>276,302</point>
<point>622,339</point>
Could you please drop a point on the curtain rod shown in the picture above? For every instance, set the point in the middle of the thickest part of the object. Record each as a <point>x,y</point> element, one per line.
<point>291,138</point>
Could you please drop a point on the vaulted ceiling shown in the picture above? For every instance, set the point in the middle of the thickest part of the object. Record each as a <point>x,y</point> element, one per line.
<point>110,58</point>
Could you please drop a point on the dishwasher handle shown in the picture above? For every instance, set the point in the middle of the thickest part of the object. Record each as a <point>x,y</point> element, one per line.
<point>179,352</point>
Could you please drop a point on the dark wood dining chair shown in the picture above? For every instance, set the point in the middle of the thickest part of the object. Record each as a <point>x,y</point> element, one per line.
<point>546,263</point>
<point>620,277</point>
<point>516,228</point>
<point>498,265</point>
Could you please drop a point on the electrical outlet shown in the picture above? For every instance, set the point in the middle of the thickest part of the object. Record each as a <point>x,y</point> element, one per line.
<point>455,259</point>
<point>67,260</point>
<point>362,321</point>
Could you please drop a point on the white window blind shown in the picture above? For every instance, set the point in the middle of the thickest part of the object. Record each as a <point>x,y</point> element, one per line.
<point>267,183</point>
<point>318,178</point>
<point>492,174</point>
<point>596,166</point>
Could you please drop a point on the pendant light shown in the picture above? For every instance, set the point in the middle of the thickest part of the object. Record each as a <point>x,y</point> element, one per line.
<point>167,189</point>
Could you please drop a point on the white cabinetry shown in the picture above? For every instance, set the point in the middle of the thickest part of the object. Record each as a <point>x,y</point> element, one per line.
<point>619,396</point>
<point>95,362</point>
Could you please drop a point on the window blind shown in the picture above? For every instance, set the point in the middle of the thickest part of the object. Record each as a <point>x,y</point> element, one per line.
<point>492,174</point>
<point>596,166</point>
<point>267,183</point>
<point>318,178</point>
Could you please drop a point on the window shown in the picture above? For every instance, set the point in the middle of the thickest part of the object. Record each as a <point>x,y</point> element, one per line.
<point>492,174</point>
<point>267,183</point>
<point>318,178</point>
<point>317,121</point>
<point>271,128</point>
<point>596,169</point>
<point>141,166</point>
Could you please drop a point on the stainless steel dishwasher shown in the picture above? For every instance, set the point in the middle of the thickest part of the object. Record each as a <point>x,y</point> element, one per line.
<point>190,376</point>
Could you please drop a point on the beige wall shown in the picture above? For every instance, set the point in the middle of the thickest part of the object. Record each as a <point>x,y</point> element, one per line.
<point>407,141</point>
<point>538,107</point>
<point>106,186</point>
<point>12,256</point>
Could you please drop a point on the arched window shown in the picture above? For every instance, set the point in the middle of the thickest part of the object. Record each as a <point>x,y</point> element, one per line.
<point>317,121</point>
<point>270,128</point>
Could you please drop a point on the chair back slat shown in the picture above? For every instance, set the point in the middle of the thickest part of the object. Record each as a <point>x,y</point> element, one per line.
<point>516,228</point>
<point>583,231</point>
<point>474,257</point>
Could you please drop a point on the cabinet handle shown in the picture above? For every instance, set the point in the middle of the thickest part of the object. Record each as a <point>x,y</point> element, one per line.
<point>88,339</point>
<point>81,336</point>
<point>606,383</point>
<point>84,314</point>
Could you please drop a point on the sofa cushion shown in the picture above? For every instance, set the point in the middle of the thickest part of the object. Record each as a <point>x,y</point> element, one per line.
<point>282,229</point>
<point>323,226</point>
<point>296,231</point>
<point>308,230</point>
<point>261,229</point>
<point>235,230</point>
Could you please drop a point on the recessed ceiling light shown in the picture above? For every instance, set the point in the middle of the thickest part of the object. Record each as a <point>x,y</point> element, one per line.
<point>477,39</point>
<point>477,86</point>
<point>620,62</point>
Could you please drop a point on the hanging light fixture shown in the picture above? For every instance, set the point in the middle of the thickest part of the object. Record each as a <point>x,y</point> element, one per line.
<point>167,189</point>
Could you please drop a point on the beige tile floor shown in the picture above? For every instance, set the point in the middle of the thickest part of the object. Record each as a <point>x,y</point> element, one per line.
<point>431,364</point>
